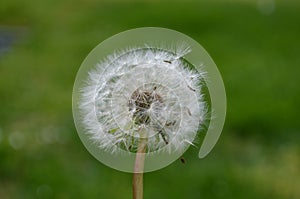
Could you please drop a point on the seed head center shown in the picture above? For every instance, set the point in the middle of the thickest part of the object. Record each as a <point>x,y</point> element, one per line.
<point>142,103</point>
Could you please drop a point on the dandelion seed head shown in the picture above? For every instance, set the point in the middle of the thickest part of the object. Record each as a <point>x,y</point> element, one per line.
<point>148,87</point>
<point>145,93</point>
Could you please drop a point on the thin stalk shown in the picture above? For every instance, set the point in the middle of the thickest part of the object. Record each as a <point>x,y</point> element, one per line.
<point>137,181</point>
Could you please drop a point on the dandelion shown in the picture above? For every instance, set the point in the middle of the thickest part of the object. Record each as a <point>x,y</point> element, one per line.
<point>144,101</point>
<point>145,98</point>
<point>143,93</point>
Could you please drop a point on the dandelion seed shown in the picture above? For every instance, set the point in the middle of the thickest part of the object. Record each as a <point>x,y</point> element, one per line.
<point>182,160</point>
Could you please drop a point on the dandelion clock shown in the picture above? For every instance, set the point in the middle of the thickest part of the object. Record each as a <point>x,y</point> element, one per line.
<point>141,98</point>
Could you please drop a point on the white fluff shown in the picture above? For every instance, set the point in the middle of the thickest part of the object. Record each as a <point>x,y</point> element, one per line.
<point>174,120</point>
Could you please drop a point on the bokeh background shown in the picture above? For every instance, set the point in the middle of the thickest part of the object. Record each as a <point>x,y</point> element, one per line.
<point>256,45</point>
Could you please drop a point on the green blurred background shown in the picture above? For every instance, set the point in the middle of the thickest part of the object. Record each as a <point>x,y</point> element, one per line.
<point>256,45</point>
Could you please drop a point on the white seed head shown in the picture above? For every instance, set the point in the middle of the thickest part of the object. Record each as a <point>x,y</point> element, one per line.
<point>143,93</point>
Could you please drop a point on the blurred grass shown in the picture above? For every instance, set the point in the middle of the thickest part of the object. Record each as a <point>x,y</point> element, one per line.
<point>256,50</point>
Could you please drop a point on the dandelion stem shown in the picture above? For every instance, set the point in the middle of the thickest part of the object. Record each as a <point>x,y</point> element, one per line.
<point>137,181</point>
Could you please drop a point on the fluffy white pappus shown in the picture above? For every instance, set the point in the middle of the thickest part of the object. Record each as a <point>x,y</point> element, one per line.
<point>143,93</point>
